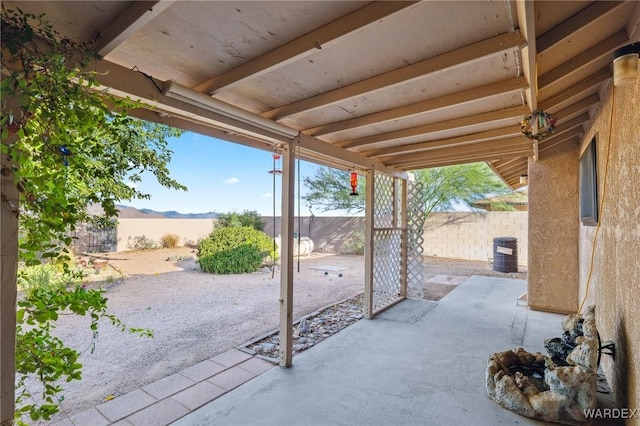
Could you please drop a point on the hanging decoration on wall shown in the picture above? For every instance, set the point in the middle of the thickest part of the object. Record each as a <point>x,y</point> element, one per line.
<point>538,125</point>
<point>354,183</point>
<point>276,162</point>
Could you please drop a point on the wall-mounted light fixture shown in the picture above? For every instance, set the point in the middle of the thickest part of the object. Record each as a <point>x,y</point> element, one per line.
<point>625,64</point>
<point>524,179</point>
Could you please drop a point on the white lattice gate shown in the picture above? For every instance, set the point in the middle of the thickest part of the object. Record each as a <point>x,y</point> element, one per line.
<point>395,232</point>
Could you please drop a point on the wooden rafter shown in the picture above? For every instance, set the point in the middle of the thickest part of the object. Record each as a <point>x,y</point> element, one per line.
<point>562,137</point>
<point>464,159</point>
<point>526,22</point>
<point>589,56</point>
<point>514,143</point>
<point>576,90</point>
<point>485,117</point>
<point>317,39</point>
<point>447,60</point>
<point>579,21</point>
<point>510,165</point>
<point>580,106</point>
<point>386,153</point>
<point>131,20</point>
<point>557,145</point>
<point>505,86</point>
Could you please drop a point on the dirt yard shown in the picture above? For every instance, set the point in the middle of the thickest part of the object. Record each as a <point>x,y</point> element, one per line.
<point>196,315</point>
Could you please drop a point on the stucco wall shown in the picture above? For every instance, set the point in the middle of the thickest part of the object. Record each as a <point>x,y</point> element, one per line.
<point>189,230</point>
<point>455,235</point>
<point>553,230</point>
<point>470,235</point>
<point>329,234</point>
<point>615,274</point>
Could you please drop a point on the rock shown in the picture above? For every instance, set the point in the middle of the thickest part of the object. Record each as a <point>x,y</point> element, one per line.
<point>315,328</point>
<point>303,327</point>
<point>566,391</point>
<point>267,347</point>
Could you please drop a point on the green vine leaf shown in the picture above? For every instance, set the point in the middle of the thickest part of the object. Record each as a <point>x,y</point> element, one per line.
<point>66,146</point>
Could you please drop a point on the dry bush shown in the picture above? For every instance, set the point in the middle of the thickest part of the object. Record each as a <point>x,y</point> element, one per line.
<point>169,241</point>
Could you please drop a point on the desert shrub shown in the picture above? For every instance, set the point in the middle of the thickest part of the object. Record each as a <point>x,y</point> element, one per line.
<point>191,243</point>
<point>140,242</point>
<point>234,250</point>
<point>248,218</point>
<point>44,276</point>
<point>354,244</point>
<point>169,241</point>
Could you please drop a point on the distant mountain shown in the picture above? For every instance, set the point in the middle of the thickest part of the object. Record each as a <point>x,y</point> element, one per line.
<point>133,213</point>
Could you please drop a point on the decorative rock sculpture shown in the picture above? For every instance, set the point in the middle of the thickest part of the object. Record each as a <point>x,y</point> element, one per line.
<point>556,388</point>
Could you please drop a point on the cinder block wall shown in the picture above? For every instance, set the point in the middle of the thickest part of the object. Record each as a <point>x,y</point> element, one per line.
<point>470,235</point>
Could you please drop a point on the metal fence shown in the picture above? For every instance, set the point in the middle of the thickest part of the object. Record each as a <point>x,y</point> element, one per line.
<point>88,238</point>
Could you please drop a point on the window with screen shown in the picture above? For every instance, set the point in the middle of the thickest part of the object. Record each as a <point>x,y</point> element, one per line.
<point>589,186</point>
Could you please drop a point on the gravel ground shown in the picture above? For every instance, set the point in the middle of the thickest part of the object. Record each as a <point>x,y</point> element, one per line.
<point>195,315</point>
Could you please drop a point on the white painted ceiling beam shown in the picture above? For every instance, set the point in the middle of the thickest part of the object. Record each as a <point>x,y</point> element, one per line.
<point>302,46</point>
<point>491,46</point>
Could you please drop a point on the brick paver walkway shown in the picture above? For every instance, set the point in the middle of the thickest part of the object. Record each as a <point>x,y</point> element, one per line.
<point>163,402</point>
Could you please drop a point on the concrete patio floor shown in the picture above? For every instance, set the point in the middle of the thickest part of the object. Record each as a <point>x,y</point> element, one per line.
<point>419,362</point>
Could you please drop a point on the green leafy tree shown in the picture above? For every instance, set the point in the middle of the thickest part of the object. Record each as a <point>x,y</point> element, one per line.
<point>64,146</point>
<point>252,219</point>
<point>329,188</point>
<point>462,184</point>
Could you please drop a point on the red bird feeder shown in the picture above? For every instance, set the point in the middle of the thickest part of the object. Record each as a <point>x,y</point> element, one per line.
<point>276,158</point>
<point>354,183</point>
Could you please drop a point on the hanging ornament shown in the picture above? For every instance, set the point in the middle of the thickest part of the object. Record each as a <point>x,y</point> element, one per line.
<point>538,125</point>
<point>276,160</point>
<point>65,153</point>
<point>354,183</point>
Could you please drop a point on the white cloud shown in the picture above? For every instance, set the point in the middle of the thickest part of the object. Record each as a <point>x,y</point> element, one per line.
<point>231,180</point>
<point>266,195</point>
<point>132,184</point>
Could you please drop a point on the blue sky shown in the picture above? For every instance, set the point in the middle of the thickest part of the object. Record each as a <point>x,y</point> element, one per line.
<point>221,176</point>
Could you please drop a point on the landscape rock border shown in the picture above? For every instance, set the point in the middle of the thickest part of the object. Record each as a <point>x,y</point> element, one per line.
<point>310,329</point>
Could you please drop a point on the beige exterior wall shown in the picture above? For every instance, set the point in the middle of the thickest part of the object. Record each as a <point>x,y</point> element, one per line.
<point>452,235</point>
<point>553,231</point>
<point>615,274</point>
<point>470,235</point>
<point>189,230</point>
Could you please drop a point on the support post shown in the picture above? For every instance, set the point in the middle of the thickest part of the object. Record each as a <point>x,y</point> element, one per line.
<point>286,257</point>
<point>404,244</point>
<point>9,197</point>
<point>368,239</point>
